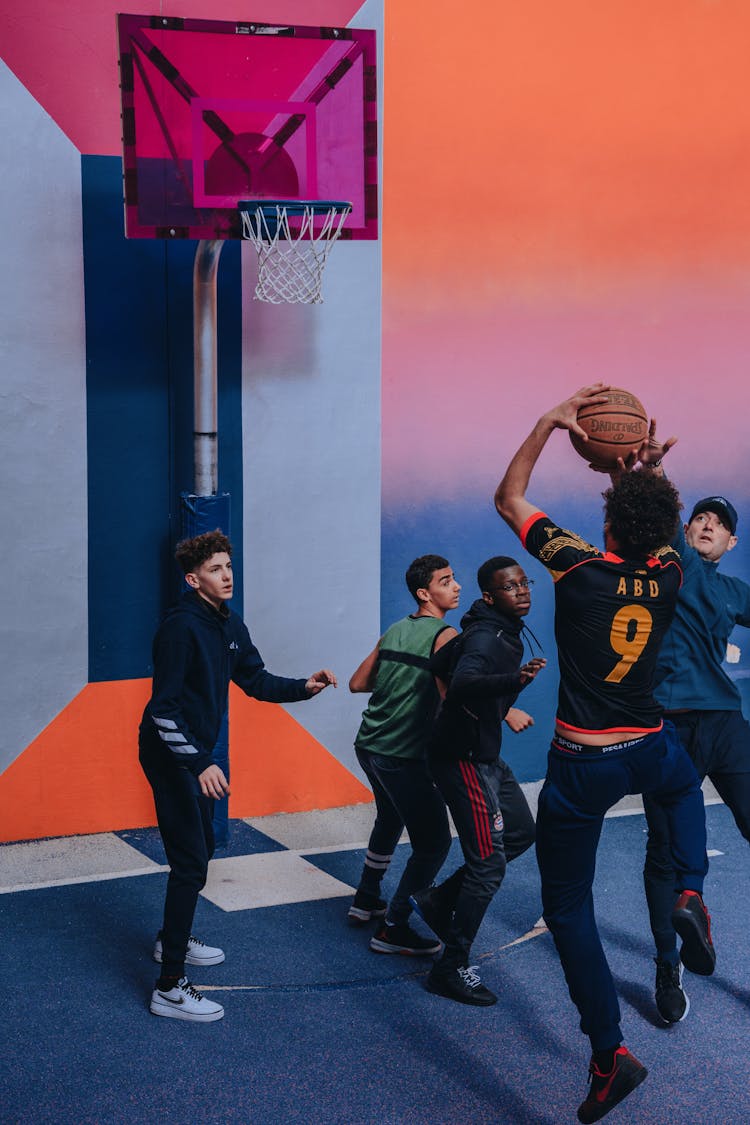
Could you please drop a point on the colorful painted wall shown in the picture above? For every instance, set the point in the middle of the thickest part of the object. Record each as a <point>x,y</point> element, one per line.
<point>564,200</point>
<point>98,389</point>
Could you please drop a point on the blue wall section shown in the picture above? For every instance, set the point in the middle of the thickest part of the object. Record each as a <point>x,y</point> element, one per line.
<point>139,340</point>
<point>467,532</point>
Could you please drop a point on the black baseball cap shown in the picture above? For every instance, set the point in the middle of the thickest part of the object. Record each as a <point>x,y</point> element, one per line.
<point>721,506</point>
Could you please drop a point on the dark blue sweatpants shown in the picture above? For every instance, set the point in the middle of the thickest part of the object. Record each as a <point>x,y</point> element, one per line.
<point>577,792</point>
<point>718,743</point>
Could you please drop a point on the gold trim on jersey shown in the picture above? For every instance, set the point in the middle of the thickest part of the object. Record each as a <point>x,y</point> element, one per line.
<point>567,539</point>
<point>666,552</point>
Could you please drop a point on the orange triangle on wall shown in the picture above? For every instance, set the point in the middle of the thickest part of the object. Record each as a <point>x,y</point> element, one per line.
<point>276,766</point>
<point>81,773</point>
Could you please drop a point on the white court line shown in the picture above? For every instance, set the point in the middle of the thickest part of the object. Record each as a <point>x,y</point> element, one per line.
<point>99,877</point>
<point>635,809</point>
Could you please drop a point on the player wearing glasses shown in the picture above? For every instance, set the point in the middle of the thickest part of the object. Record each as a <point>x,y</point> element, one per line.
<point>484,674</point>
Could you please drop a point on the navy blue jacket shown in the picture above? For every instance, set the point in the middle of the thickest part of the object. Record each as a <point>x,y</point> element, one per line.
<point>481,666</point>
<point>689,672</point>
<point>197,650</point>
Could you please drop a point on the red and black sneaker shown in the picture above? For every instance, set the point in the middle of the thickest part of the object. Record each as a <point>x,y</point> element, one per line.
<point>608,1090</point>
<point>692,922</point>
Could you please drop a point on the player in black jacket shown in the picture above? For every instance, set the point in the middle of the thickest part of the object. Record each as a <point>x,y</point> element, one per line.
<point>612,609</point>
<point>482,668</point>
<point>198,649</point>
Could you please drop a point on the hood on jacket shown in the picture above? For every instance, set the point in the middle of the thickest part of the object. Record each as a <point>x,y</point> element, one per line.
<point>481,611</point>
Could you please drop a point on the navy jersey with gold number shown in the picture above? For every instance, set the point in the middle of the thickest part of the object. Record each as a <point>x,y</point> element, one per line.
<point>610,617</point>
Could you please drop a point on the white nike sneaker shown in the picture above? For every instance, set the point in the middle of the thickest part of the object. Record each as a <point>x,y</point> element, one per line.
<point>184,1002</point>
<point>198,953</point>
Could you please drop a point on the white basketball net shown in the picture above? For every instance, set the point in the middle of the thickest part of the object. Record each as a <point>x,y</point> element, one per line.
<point>291,258</point>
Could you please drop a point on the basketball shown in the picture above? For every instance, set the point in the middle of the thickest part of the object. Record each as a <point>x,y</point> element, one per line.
<point>615,428</point>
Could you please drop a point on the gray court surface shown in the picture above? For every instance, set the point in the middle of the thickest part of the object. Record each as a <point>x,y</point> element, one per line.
<point>320,1030</point>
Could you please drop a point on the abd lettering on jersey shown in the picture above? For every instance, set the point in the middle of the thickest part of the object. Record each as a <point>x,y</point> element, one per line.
<point>632,587</point>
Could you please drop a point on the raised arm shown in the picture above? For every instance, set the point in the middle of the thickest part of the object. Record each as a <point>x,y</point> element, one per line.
<point>510,495</point>
<point>649,456</point>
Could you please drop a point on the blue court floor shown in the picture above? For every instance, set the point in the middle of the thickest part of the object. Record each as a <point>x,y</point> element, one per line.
<point>317,1028</point>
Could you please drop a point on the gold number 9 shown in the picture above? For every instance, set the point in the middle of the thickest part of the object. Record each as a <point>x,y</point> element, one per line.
<point>628,647</point>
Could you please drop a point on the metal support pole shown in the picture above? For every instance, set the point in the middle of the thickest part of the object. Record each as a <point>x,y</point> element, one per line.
<point>205,416</point>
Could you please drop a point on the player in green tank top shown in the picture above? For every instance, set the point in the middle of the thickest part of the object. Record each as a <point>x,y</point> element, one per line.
<point>390,747</point>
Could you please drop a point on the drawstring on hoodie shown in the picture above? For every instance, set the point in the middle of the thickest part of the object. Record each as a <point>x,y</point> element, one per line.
<point>527,636</point>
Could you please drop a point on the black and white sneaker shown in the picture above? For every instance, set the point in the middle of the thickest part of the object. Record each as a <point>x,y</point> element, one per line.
<point>184,1002</point>
<point>198,953</point>
<point>365,907</point>
<point>671,999</point>
<point>461,984</point>
<point>403,939</point>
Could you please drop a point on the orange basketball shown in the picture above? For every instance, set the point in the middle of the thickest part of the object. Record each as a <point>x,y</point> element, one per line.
<point>615,428</point>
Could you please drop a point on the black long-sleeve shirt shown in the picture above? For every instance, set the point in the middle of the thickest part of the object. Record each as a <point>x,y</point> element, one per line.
<point>197,650</point>
<point>481,666</point>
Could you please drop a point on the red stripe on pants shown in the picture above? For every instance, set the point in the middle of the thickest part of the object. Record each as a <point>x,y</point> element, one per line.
<point>479,809</point>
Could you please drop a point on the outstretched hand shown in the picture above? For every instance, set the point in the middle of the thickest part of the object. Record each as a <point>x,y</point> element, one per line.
<point>649,454</point>
<point>565,415</point>
<point>528,671</point>
<point>652,450</point>
<point>319,681</point>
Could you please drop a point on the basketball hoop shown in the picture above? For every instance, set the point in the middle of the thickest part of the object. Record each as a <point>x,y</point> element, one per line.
<point>293,239</point>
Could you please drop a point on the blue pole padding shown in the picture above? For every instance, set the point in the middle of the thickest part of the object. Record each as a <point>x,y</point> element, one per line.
<point>198,515</point>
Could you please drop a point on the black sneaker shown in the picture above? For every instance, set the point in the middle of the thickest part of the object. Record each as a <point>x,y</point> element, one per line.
<point>671,998</point>
<point>434,913</point>
<point>365,907</point>
<point>692,922</point>
<point>403,939</point>
<point>462,984</point>
<point>608,1090</point>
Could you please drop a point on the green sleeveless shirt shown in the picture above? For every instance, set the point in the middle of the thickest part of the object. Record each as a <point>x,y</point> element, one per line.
<point>403,704</point>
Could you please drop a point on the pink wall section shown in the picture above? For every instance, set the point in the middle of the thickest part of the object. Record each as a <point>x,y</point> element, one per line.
<point>565,201</point>
<point>461,389</point>
<point>68,60</point>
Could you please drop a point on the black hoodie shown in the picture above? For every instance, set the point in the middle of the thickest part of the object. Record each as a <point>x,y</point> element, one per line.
<point>197,650</point>
<point>481,666</point>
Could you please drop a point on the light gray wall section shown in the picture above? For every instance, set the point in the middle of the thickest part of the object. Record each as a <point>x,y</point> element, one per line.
<point>311,452</point>
<point>43,599</point>
<point>311,455</point>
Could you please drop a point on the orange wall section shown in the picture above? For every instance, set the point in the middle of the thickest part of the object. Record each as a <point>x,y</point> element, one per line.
<point>542,137</point>
<point>81,774</point>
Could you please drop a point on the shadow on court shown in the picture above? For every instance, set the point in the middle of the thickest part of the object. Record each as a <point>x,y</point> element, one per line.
<point>320,1030</point>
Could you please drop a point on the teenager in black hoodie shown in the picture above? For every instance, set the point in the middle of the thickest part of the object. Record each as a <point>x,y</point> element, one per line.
<point>483,670</point>
<point>200,646</point>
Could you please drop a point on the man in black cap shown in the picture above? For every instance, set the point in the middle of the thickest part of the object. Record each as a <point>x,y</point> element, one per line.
<point>705,706</point>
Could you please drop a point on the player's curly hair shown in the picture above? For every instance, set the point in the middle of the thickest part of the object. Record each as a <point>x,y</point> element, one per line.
<point>420,572</point>
<point>192,553</point>
<point>642,511</point>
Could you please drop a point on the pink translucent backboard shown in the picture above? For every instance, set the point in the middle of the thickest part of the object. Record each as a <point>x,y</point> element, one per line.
<point>215,112</point>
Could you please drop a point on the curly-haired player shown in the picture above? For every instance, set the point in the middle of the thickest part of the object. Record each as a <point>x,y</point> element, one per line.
<point>199,647</point>
<point>612,609</point>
